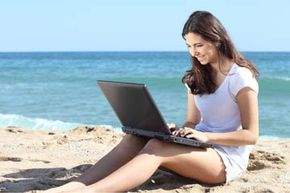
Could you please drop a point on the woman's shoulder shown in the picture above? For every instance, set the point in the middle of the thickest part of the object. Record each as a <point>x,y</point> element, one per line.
<point>241,77</point>
<point>240,71</point>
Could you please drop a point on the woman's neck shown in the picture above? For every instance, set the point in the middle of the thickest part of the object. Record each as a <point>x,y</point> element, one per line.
<point>222,67</point>
<point>220,71</point>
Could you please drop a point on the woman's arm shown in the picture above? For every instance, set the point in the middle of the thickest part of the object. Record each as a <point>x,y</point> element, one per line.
<point>248,104</point>
<point>193,114</point>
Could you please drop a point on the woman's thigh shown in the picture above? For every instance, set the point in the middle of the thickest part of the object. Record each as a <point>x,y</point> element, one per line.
<point>201,164</point>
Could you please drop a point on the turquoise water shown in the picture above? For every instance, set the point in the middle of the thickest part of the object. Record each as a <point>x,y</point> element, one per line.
<point>58,90</point>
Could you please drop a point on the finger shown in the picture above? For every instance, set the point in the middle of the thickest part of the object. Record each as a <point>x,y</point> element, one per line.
<point>172,129</point>
<point>191,136</point>
<point>186,131</point>
<point>171,125</point>
<point>177,132</point>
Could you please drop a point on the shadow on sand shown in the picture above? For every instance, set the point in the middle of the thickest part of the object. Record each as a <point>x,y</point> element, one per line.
<point>31,180</point>
<point>40,178</point>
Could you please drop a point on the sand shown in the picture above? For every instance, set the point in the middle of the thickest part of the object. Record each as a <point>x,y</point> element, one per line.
<point>37,160</point>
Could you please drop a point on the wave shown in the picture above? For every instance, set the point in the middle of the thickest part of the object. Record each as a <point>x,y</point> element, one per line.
<point>12,120</point>
<point>276,84</point>
<point>8,120</point>
<point>284,78</point>
<point>275,138</point>
<point>276,78</point>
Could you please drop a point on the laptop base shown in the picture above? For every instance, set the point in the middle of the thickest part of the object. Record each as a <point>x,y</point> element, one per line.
<point>166,137</point>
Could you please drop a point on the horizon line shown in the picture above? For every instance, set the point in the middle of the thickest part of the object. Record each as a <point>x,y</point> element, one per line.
<point>116,51</point>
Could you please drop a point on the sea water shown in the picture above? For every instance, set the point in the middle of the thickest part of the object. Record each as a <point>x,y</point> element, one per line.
<point>58,90</point>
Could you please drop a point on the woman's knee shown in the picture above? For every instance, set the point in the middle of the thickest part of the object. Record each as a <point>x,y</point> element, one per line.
<point>154,146</point>
<point>130,140</point>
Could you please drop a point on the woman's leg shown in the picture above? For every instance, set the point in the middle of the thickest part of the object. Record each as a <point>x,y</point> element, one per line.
<point>128,148</point>
<point>201,164</point>
<point>118,156</point>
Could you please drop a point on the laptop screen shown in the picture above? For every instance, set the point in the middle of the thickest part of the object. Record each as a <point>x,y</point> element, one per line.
<point>133,105</point>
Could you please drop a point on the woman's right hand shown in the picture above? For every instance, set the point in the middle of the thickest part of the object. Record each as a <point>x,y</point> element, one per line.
<point>172,127</point>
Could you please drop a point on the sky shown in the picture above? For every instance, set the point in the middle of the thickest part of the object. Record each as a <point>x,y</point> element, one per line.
<point>136,25</point>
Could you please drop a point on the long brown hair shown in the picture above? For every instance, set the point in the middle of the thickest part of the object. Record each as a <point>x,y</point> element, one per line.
<point>199,78</point>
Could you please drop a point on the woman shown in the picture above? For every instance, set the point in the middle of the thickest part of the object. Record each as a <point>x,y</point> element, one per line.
<point>222,110</point>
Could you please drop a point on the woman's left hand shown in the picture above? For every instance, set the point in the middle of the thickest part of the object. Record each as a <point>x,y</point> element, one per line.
<point>192,133</point>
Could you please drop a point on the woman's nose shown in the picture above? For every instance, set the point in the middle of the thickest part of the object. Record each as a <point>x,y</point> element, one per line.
<point>196,53</point>
<point>193,52</point>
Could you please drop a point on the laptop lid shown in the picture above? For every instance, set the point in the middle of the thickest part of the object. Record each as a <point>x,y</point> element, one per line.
<point>133,105</point>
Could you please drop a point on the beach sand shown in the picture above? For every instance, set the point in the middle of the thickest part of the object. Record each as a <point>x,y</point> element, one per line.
<point>37,160</point>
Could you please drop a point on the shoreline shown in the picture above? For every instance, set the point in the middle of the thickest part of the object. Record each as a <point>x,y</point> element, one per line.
<point>36,160</point>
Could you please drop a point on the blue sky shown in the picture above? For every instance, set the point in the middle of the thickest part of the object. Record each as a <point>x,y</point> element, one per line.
<point>136,25</point>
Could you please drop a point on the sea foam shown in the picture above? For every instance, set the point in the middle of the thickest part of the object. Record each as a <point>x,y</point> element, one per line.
<point>8,120</point>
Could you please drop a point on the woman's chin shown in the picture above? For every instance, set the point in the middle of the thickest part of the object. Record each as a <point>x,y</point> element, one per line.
<point>203,62</point>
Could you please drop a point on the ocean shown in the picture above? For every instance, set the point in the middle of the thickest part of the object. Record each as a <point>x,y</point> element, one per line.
<point>58,90</point>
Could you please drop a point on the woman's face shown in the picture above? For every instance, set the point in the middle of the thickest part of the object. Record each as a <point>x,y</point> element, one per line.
<point>204,51</point>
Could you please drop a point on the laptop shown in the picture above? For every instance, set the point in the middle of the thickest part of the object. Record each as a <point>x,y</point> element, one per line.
<point>138,114</point>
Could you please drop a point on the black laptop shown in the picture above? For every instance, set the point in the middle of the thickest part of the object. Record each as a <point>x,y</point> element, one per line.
<point>138,113</point>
